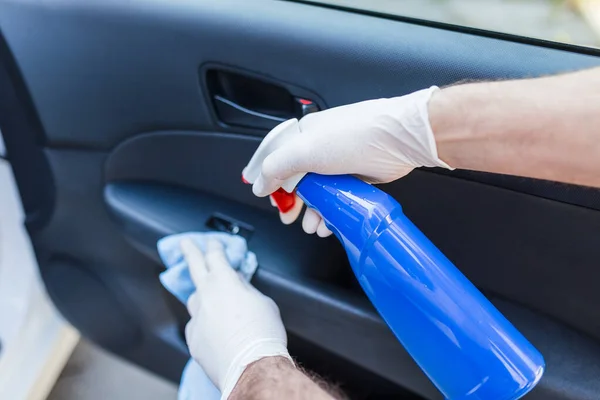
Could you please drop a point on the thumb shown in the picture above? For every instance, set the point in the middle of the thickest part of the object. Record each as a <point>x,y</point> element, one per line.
<point>280,165</point>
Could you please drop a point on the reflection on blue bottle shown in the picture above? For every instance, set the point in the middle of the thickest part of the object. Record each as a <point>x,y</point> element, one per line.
<point>460,340</point>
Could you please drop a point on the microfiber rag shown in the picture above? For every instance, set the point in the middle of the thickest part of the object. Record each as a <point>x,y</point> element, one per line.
<point>195,384</point>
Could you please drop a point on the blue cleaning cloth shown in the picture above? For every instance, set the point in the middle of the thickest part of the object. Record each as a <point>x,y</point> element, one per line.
<point>195,384</point>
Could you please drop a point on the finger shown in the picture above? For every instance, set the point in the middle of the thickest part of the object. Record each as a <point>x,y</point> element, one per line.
<point>292,215</point>
<point>280,165</point>
<point>262,187</point>
<point>243,281</point>
<point>273,203</point>
<point>195,260</point>
<point>189,332</point>
<point>279,135</point>
<point>193,303</point>
<point>216,259</point>
<point>242,278</point>
<point>311,220</point>
<point>322,230</point>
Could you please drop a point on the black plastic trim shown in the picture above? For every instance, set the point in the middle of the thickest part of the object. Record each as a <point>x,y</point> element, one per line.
<point>24,140</point>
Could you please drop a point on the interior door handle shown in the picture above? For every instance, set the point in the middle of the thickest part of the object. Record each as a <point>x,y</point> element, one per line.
<point>231,113</point>
<point>251,102</point>
<point>248,112</point>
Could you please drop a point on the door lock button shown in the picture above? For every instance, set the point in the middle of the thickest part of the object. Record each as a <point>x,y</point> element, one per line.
<point>305,106</point>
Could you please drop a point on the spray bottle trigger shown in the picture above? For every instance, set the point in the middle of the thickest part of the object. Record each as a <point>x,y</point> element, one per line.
<point>285,201</point>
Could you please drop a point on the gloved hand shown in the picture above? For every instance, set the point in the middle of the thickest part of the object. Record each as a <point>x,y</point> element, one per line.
<point>377,140</point>
<point>232,323</point>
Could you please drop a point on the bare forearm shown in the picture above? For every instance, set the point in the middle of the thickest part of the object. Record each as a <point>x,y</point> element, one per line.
<point>547,128</point>
<point>276,378</point>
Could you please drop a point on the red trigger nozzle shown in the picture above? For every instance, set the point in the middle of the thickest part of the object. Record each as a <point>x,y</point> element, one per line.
<point>285,201</point>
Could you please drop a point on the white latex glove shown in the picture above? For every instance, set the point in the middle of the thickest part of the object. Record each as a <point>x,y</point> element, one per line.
<point>377,140</point>
<point>232,323</point>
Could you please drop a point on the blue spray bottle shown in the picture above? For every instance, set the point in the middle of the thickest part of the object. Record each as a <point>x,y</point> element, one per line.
<point>458,338</point>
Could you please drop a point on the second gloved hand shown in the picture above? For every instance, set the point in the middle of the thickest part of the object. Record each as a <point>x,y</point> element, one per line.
<point>377,140</point>
<point>232,324</point>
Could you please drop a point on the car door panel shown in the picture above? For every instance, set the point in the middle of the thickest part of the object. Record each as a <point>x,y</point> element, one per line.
<point>329,311</point>
<point>110,123</point>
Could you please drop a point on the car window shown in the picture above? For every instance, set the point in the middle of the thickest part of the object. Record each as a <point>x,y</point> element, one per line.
<point>567,21</point>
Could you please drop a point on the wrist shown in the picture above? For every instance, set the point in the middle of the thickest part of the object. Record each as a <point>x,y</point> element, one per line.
<point>455,117</point>
<point>259,371</point>
<point>445,119</point>
<point>415,139</point>
<point>477,126</point>
<point>257,351</point>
